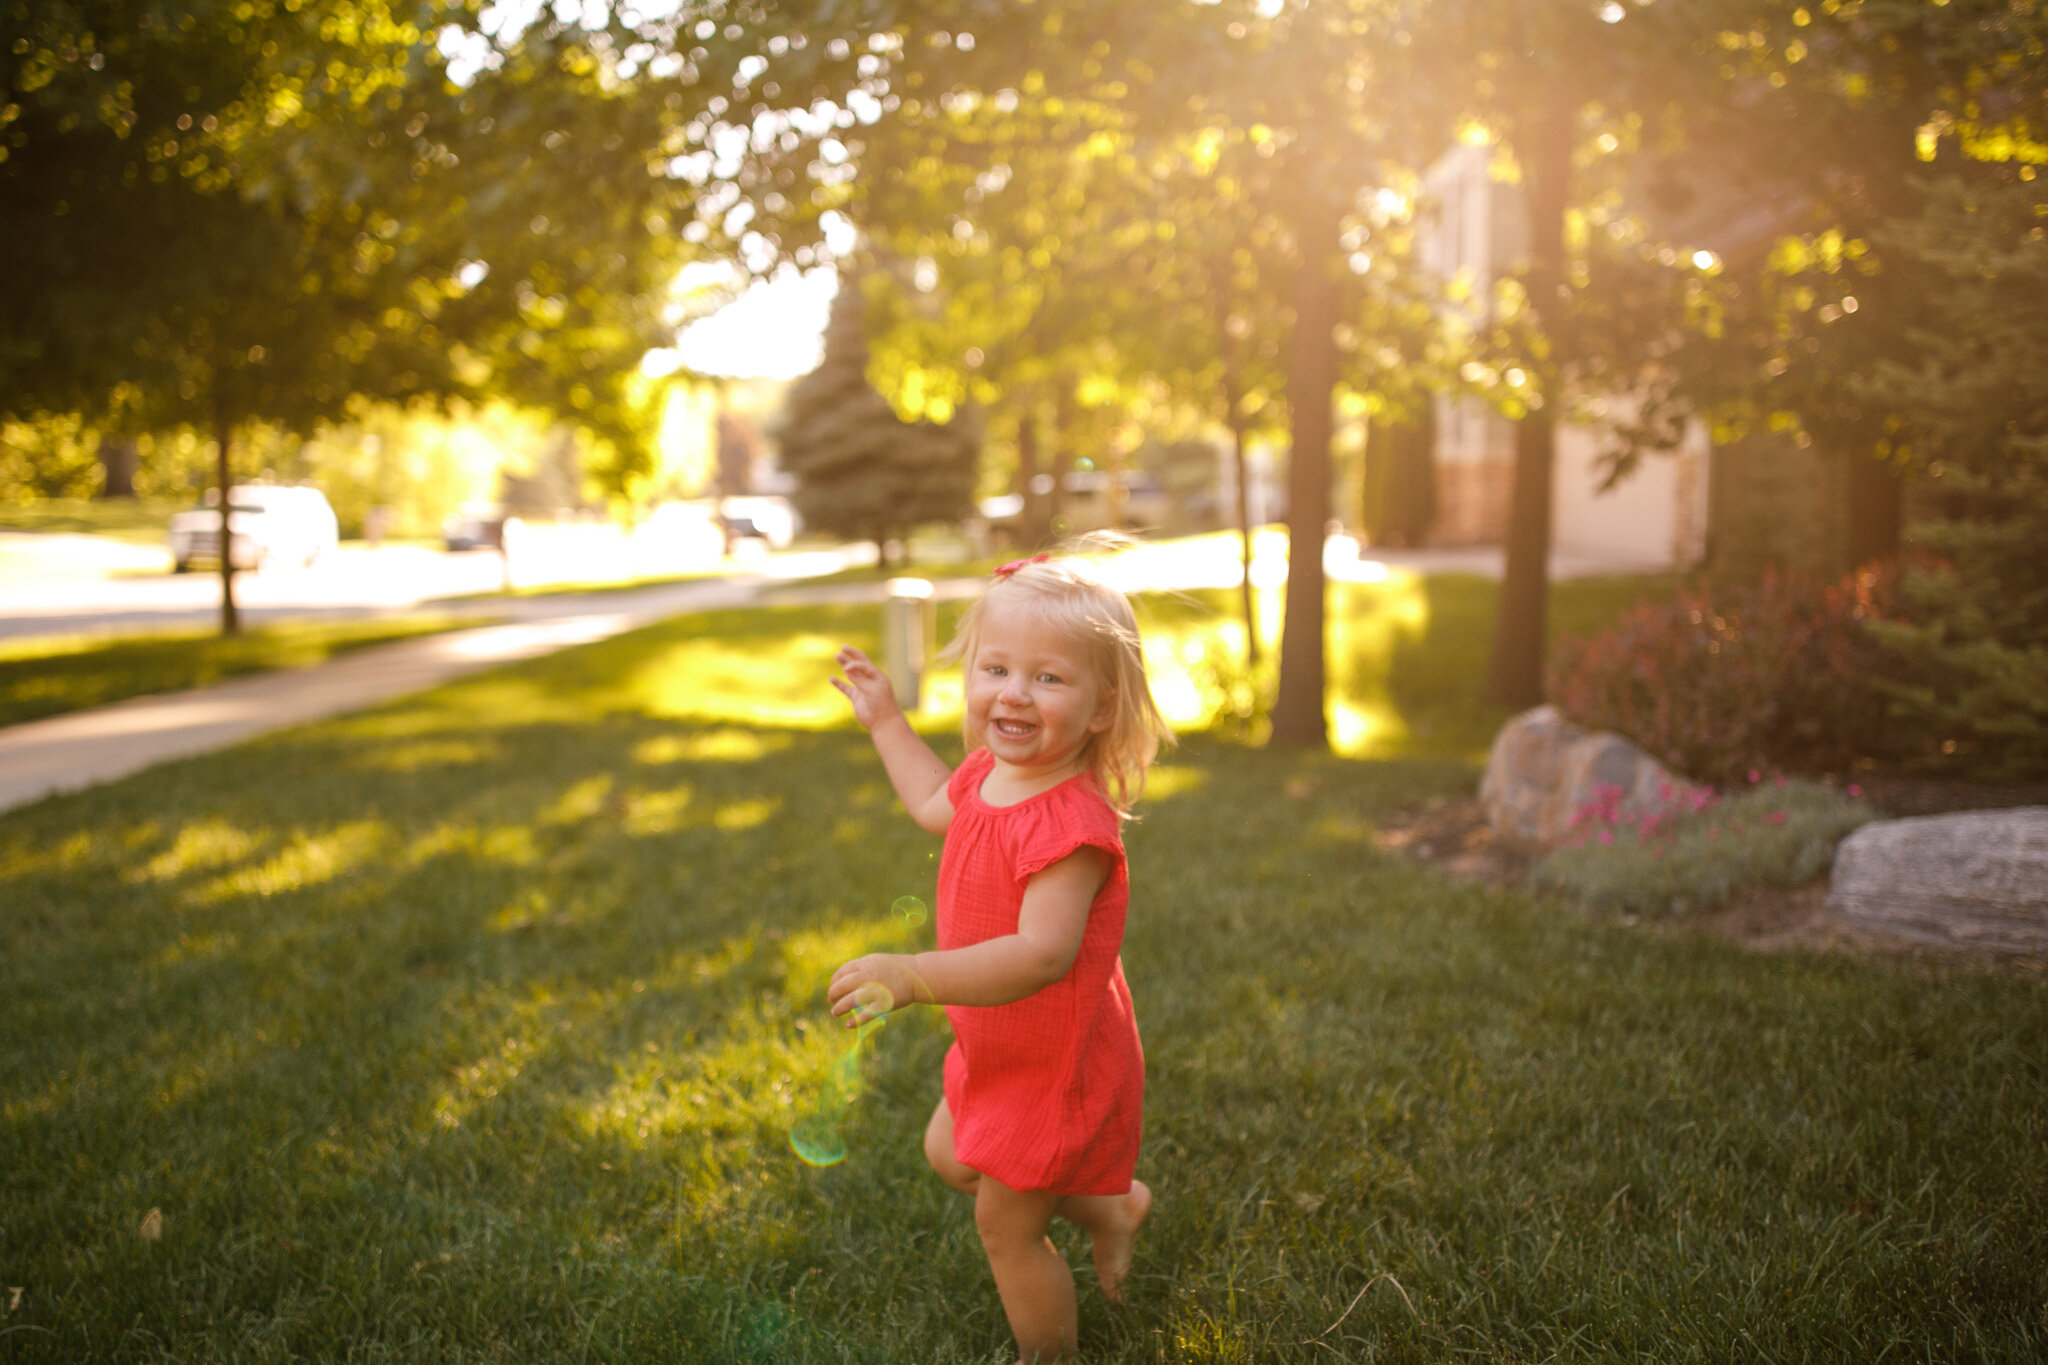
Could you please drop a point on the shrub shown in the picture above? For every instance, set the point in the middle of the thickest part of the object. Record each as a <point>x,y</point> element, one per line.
<point>1776,678</point>
<point>1700,849</point>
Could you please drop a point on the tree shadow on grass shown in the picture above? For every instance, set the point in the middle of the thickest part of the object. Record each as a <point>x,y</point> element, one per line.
<point>394,1050</point>
<point>471,1026</point>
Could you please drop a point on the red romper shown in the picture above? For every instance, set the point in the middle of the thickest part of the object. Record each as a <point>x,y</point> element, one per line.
<point>1046,1092</point>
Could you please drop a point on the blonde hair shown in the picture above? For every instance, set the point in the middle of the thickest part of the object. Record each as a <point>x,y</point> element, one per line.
<point>1069,594</point>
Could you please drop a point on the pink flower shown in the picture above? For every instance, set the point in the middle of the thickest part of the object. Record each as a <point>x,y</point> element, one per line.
<point>1606,836</point>
<point>1855,790</point>
<point>1755,776</point>
<point>1776,817</point>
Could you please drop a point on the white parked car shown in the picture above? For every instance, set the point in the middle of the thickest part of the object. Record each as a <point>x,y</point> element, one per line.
<point>681,534</point>
<point>267,524</point>
<point>769,517</point>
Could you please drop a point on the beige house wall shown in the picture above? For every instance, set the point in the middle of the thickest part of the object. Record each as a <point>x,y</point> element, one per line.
<point>1474,232</point>
<point>1655,517</point>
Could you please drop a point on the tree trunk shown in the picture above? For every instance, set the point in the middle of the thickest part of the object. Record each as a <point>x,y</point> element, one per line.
<point>1515,679</point>
<point>1876,511</point>
<point>1113,493</point>
<point>1234,418</point>
<point>1064,422</point>
<point>117,461</point>
<point>1035,520</point>
<point>1399,479</point>
<point>1298,718</point>
<point>223,431</point>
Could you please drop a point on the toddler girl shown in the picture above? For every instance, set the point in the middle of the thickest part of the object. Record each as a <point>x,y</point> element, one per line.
<point>1045,1079</point>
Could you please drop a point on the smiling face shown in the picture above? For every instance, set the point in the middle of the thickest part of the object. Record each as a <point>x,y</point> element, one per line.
<point>1031,695</point>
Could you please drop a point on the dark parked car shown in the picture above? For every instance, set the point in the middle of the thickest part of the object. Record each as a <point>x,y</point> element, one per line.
<point>474,526</point>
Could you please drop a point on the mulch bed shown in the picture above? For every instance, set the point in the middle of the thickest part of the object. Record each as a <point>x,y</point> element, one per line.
<point>1903,796</point>
<point>1454,837</point>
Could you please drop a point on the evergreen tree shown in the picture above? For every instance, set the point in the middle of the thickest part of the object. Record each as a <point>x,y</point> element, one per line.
<point>1973,390</point>
<point>861,470</point>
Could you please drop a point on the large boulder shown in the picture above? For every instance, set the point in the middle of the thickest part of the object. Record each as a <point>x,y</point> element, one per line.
<point>1544,771</point>
<point>1976,878</point>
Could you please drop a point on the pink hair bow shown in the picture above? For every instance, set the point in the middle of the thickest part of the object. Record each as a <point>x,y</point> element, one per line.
<point>1006,570</point>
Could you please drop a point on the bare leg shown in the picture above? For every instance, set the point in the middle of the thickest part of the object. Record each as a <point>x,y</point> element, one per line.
<point>1111,1222</point>
<point>938,1150</point>
<point>1036,1287</point>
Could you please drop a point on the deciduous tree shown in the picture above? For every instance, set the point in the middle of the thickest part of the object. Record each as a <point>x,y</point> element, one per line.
<point>236,213</point>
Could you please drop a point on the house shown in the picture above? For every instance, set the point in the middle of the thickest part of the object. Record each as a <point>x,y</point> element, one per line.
<point>1475,229</point>
<point>1764,499</point>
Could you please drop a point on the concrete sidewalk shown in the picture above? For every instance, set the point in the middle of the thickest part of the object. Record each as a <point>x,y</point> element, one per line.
<point>84,748</point>
<point>65,753</point>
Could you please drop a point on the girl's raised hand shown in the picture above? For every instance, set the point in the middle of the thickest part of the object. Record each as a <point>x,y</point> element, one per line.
<point>867,687</point>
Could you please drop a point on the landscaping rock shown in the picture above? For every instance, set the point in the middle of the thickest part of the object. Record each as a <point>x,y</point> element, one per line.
<point>1544,770</point>
<point>1973,879</point>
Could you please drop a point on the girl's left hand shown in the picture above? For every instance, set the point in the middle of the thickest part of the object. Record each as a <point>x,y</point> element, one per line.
<point>895,973</point>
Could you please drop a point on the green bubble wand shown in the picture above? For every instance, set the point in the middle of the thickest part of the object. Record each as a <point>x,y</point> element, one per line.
<point>816,1138</point>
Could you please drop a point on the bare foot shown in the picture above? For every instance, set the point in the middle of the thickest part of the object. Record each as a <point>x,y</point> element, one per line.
<point>1114,1241</point>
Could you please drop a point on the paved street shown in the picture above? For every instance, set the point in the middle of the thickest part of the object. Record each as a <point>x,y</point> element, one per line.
<point>95,585</point>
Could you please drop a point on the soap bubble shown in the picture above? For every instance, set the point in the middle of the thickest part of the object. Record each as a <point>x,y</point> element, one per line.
<point>816,1140</point>
<point>764,1328</point>
<point>871,1003</point>
<point>844,1077</point>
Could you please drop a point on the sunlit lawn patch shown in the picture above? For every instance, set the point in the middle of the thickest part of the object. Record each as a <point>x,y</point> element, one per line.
<point>47,678</point>
<point>473,1027</point>
<point>1407,657</point>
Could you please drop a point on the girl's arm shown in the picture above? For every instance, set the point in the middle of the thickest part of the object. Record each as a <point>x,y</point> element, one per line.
<point>918,774</point>
<point>998,970</point>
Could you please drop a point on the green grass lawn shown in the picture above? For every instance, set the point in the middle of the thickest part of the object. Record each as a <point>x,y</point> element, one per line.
<point>50,677</point>
<point>472,1027</point>
<point>138,519</point>
<point>916,568</point>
